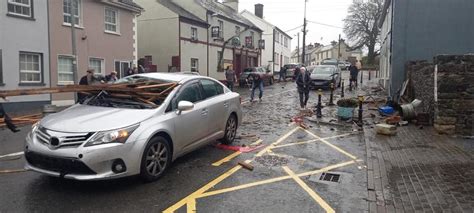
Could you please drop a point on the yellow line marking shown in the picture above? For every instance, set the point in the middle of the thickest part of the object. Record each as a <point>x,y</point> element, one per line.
<point>272,180</point>
<point>331,145</point>
<point>191,206</point>
<point>313,194</point>
<point>227,159</point>
<point>12,171</point>
<point>259,141</point>
<point>310,141</point>
<point>281,139</point>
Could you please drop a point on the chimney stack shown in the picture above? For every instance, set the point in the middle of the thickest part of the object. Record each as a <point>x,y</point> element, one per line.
<point>259,10</point>
<point>234,4</point>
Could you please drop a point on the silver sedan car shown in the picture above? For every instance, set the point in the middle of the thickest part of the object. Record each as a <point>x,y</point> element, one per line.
<point>92,141</point>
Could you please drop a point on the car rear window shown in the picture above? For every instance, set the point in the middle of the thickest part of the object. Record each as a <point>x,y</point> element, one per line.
<point>248,70</point>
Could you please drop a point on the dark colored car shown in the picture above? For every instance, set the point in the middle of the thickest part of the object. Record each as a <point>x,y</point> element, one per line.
<point>323,75</point>
<point>266,75</point>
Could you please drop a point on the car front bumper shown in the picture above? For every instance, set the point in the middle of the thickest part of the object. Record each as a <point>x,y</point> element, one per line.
<point>320,83</point>
<point>82,163</point>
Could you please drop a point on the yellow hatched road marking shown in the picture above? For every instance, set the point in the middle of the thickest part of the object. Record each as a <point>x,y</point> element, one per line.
<point>227,159</point>
<point>311,141</point>
<point>313,194</point>
<point>191,206</point>
<point>272,180</point>
<point>331,145</point>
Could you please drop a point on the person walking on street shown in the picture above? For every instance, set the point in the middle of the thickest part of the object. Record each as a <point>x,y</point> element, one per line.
<point>257,82</point>
<point>230,77</point>
<point>354,72</point>
<point>303,80</point>
<point>282,74</point>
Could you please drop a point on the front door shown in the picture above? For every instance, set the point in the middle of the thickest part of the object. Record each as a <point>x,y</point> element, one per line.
<point>190,126</point>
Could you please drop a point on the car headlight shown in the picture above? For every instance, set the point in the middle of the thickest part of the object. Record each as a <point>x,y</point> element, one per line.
<point>34,127</point>
<point>112,136</point>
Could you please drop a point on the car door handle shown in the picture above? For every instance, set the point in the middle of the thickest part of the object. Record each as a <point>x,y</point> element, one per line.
<point>204,112</point>
<point>226,104</point>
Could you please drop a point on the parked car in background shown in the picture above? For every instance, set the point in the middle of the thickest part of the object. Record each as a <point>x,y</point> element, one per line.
<point>323,75</point>
<point>331,61</point>
<point>290,69</point>
<point>265,74</point>
<point>111,136</point>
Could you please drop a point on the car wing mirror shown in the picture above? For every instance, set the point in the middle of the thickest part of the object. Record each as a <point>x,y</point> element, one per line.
<point>184,106</point>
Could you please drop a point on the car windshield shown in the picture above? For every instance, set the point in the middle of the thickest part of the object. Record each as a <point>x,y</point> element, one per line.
<point>248,70</point>
<point>323,70</point>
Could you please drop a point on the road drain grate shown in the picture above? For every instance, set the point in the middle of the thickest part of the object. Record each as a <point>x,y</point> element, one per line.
<point>330,177</point>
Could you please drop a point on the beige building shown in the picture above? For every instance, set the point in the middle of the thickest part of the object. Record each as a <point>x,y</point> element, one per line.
<point>104,41</point>
<point>189,35</point>
<point>331,52</point>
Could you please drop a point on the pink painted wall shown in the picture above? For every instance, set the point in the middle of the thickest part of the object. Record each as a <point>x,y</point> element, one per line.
<point>91,39</point>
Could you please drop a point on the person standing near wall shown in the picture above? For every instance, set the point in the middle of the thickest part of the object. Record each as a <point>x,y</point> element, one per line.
<point>303,80</point>
<point>230,77</point>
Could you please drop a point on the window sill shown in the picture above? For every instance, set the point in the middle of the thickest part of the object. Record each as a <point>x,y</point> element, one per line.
<point>65,83</point>
<point>20,16</point>
<point>113,33</point>
<point>31,84</point>
<point>69,25</point>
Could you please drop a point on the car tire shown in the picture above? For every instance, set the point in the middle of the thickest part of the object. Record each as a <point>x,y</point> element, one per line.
<point>230,130</point>
<point>157,155</point>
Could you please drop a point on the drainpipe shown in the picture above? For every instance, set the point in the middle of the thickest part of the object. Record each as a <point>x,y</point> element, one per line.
<point>207,21</point>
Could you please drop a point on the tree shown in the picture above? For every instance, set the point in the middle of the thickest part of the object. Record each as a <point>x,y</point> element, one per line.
<point>361,26</point>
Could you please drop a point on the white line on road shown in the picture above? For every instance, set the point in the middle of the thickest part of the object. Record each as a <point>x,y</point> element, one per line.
<point>12,154</point>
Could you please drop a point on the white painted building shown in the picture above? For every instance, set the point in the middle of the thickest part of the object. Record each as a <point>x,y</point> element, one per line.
<point>189,35</point>
<point>277,51</point>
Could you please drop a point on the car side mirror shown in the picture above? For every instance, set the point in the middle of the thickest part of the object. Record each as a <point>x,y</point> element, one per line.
<point>184,106</point>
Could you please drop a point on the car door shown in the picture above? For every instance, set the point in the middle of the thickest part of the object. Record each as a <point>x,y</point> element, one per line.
<point>217,103</point>
<point>190,126</point>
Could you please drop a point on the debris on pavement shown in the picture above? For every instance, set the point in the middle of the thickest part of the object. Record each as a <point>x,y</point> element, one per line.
<point>246,165</point>
<point>386,129</point>
<point>393,120</point>
<point>243,149</point>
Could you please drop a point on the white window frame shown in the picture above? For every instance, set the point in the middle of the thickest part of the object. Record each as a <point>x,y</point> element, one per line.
<point>71,73</point>
<point>29,6</point>
<point>277,37</point>
<point>117,21</point>
<point>194,34</point>
<point>102,65</point>
<point>196,66</point>
<point>79,14</point>
<point>237,30</point>
<point>221,28</point>
<point>39,71</point>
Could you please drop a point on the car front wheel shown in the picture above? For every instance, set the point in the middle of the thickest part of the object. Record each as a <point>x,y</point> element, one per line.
<point>156,159</point>
<point>230,130</point>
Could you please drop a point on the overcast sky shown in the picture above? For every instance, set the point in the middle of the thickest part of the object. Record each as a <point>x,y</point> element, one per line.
<point>288,14</point>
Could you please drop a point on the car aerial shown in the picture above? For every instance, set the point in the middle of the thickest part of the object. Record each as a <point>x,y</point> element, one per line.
<point>323,75</point>
<point>110,137</point>
<point>291,69</point>
<point>266,75</point>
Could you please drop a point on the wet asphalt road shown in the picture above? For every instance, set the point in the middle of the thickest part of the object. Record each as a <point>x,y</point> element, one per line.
<point>268,120</point>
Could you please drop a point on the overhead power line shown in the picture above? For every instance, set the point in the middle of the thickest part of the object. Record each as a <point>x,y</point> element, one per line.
<point>323,24</point>
<point>293,28</point>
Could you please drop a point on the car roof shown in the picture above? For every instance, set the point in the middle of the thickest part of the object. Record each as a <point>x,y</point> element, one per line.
<point>174,77</point>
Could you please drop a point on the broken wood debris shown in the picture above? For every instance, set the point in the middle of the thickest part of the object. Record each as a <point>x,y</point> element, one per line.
<point>246,166</point>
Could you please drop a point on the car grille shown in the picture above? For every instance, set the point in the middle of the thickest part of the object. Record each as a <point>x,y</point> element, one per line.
<point>65,139</point>
<point>58,164</point>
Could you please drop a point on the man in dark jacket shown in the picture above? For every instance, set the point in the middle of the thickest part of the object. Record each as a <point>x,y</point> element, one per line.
<point>257,82</point>
<point>282,74</point>
<point>354,72</point>
<point>88,79</point>
<point>303,80</point>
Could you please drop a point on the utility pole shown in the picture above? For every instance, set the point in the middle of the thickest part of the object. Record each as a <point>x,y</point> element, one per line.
<point>73,41</point>
<point>298,47</point>
<point>304,34</point>
<point>339,50</point>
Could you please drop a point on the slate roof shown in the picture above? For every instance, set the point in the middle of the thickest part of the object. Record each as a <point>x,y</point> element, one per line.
<point>179,10</point>
<point>131,3</point>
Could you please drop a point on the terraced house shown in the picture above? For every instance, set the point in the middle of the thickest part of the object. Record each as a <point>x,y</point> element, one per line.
<point>189,35</point>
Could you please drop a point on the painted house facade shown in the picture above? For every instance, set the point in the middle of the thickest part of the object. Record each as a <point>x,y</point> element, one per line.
<point>420,30</point>
<point>188,35</point>
<point>277,51</point>
<point>104,39</point>
<point>24,51</point>
<point>331,51</point>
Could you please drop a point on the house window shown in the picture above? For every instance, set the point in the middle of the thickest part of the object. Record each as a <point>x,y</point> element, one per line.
<point>20,8</point>
<point>97,64</point>
<point>194,65</point>
<point>237,30</point>
<point>194,34</point>
<point>221,29</point>
<point>219,55</point>
<point>277,37</point>
<point>65,70</point>
<point>286,42</point>
<point>72,7</point>
<point>111,20</point>
<point>30,67</point>
<point>121,68</point>
<point>281,38</point>
<point>252,37</point>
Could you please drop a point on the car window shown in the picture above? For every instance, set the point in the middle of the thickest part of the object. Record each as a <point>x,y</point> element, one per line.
<point>211,88</point>
<point>189,93</point>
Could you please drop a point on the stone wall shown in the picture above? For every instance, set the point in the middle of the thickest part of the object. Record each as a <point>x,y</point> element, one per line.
<point>421,85</point>
<point>454,110</point>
